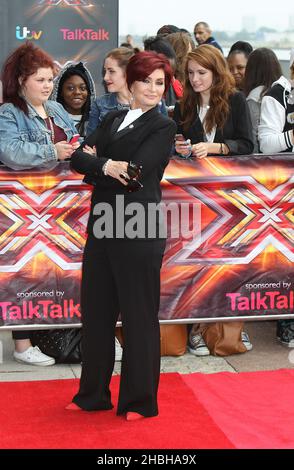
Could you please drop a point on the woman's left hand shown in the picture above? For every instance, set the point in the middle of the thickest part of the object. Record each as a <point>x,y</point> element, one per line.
<point>89,150</point>
<point>200,150</point>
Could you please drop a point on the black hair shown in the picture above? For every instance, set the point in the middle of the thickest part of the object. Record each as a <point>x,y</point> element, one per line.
<point>241,46</point>
<point>161,46</point>
<point>79,70</point>
<point>263,68</point>
<point>167,29</point>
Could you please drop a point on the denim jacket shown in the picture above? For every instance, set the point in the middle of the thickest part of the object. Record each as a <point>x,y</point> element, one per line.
<point>25,141</point>
<point>101,107</point>
<point>108,102</point>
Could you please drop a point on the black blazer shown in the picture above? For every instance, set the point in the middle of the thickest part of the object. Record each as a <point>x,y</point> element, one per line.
<point>147,141</point>
<point>237,131</point>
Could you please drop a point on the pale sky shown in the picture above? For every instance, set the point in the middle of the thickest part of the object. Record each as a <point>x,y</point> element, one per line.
<point>146,16</point>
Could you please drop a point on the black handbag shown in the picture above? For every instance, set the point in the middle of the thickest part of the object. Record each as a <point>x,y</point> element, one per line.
<point>62,344</point>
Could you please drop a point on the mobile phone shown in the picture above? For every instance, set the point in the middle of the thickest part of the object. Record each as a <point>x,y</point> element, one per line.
<point>74,138</point>
<point>180,137</point>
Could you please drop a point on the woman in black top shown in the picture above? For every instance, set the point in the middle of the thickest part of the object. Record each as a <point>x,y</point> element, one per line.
<point>214,120</point>
<point>122,258</point>
<point>212,114</point>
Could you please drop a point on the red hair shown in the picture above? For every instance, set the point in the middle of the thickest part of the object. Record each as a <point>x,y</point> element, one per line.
<point>210,58</point>
<point>142,64</point>
<point>22,62</point>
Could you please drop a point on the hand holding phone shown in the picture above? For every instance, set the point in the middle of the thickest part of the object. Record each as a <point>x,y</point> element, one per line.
<point>74,138</point>
<point>181,141</point>
<point>183,146</point>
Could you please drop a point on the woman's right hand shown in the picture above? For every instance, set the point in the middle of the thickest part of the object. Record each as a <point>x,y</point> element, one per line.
<point>64,150</point>
<point>118,170</point>
<point>183,147</point>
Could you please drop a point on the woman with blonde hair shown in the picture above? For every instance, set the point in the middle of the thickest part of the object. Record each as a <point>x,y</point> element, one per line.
<point>214,120</point>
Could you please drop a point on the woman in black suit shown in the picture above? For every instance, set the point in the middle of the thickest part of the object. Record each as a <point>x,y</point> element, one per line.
<point>122,261</point>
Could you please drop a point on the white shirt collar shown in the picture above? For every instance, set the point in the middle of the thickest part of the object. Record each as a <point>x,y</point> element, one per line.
<point>130,117</point>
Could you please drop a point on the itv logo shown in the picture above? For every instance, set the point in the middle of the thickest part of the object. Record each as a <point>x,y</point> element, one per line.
<point>26,33</point>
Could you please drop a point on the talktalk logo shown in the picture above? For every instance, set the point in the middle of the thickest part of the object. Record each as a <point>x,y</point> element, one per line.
<point>68,3</point>
<point>85,34</point>
<point>25,33</point>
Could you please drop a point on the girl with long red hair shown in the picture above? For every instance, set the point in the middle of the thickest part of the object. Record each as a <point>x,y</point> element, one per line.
<point>213,119</point>
<point>212,114</point>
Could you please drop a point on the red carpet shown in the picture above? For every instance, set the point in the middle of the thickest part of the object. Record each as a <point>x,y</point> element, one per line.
<point>254,409</point>
<point>33,416</point>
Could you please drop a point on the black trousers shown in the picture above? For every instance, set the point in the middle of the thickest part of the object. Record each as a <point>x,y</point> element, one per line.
<point>121,277</point>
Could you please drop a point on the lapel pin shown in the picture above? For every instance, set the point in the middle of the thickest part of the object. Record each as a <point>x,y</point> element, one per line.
<point>131,126</point>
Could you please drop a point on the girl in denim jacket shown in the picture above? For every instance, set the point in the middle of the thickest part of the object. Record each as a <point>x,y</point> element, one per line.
<point>34,132</point>
<point>119,96</point>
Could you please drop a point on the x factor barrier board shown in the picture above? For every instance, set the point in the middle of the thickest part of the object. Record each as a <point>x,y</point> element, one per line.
<point>229,252</point>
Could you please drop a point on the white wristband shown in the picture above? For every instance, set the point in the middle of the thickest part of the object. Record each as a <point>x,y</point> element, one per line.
<point>105,166</point>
